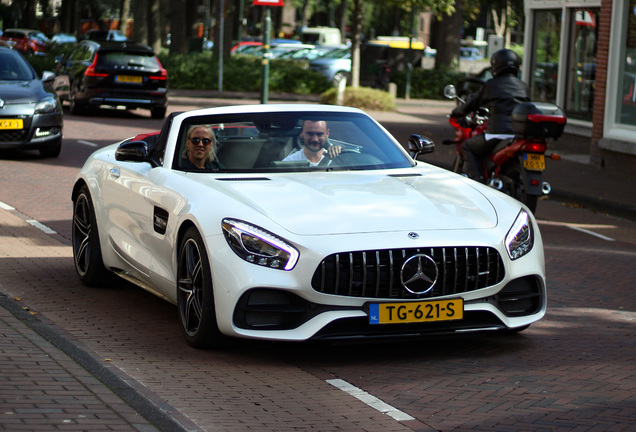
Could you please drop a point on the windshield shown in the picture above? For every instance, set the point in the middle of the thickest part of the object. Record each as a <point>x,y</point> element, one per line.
<point>125,59</point>
<point>286,142</point>
<point>14,67</point>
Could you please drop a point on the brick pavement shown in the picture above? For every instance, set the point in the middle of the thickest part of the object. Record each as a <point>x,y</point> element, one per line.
<point>43,389</point>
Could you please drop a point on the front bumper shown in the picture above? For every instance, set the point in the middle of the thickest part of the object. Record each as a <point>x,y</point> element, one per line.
<point>39,131</point>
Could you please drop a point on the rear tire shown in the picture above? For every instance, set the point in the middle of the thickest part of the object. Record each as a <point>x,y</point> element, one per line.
<point>458,164</point>
<point>158,113</point>
<point>514,184</point>
<point>76,107</point>
<point>195,294</point>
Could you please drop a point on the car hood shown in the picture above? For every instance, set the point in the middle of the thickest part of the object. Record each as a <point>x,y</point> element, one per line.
<point>21,91</point>
<point>338,203</point>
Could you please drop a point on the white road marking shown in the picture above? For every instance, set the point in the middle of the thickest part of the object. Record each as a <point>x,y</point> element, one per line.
<point>370,400</point>
<point>582,228</point>
<point>40,226</point>
<point>88,143</point>
<point>5,206</point>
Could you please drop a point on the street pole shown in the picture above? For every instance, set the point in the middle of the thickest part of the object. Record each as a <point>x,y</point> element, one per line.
<point>241,21</point>
<point>409,64</point>
<point>266,54</point>
<point>220,45</point>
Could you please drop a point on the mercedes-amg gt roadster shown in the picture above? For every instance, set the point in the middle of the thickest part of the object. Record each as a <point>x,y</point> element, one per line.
<point>298,222</point>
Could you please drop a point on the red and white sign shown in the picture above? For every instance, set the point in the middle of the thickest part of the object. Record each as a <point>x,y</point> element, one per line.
<point>585,18</point>
<point>268,3</point>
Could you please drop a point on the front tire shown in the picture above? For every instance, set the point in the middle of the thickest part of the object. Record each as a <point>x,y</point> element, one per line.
<point>458,164</point>
<point>87,253</point>
<point>195,295</point>
<point>53,150</point>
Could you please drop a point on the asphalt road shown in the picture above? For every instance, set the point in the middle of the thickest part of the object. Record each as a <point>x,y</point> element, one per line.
<point>573,370</point>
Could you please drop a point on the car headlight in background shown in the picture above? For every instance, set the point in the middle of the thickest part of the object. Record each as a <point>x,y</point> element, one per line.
<point>520,238</point>
<point>47,105</point>
<point>257,246</point>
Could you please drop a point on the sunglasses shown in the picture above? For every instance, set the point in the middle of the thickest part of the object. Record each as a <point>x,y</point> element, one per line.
<point>197,140</point>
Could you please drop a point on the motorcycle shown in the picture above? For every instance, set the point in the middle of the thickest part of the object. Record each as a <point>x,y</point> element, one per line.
<point>515,165</point>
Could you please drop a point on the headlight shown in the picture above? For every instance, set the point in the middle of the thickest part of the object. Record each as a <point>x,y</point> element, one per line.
<point>520,238</point>
<point>47,105</point>
<point>257,246</point>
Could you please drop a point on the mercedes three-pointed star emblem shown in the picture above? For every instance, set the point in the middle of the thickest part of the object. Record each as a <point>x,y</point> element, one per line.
<point>419,274</point>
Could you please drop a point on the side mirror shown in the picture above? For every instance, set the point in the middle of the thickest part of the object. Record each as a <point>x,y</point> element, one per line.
<point>450,92</point>
<point>420,145</point>
<point>134,151</point>
<point>48,76</point>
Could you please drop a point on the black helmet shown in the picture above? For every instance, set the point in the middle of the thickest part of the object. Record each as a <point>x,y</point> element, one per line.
<point>505,60</point>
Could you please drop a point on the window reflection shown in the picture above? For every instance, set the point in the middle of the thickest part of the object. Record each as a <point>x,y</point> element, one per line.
<point>547,45</point>
<point>626,112</point>
<point>581,74</point>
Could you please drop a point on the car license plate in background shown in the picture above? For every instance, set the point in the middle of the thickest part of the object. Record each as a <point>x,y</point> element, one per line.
<point>534,162</point>
<point>129,79</point>
<point>11,124</point>
<point>416,312</point>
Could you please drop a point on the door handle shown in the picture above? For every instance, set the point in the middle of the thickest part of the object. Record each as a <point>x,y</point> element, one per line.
<point>114,172</point>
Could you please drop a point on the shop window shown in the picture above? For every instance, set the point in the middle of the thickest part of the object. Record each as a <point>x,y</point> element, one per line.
<point>581,63</point>
<point>626,110</point>
<point>545,61</point>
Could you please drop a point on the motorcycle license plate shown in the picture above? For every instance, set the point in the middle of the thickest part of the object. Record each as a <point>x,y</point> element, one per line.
<point>416,312</point>
<point>534,162</point>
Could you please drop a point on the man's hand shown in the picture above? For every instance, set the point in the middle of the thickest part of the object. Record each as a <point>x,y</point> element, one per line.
<point>334,151</point>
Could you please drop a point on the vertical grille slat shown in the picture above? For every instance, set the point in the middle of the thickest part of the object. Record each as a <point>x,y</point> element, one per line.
<point>377,273</point>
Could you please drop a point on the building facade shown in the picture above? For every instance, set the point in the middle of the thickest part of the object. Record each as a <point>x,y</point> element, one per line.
<point>581,55</point>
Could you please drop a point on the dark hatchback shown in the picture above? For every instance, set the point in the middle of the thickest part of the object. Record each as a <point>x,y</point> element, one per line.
<point>105,73</point>
<point>30,114</point>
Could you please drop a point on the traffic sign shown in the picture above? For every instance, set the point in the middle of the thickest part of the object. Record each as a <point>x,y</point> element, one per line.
<point>268,3</point>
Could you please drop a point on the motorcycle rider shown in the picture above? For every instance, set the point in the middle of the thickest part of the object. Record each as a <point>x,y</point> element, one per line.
<point>500,95</point>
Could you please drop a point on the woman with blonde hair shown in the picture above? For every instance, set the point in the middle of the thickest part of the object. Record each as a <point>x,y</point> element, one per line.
<point>200,149</point>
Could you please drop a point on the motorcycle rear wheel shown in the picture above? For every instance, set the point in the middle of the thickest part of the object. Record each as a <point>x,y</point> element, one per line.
<point>514,184</point>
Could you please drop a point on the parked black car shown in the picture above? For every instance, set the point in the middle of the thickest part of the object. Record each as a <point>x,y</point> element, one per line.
<point>106,73</point>
<point>30,114</point>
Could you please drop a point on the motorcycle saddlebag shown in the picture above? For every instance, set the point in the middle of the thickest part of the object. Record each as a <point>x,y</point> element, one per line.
<point>538,120</point>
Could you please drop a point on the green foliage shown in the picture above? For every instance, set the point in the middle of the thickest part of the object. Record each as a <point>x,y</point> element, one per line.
<point>426,83</point>
<point>363,97</point>
<point>241,73</point>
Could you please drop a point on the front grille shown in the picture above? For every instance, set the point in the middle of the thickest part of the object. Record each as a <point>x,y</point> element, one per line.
<point>376,273</point>
<point>14,135</point>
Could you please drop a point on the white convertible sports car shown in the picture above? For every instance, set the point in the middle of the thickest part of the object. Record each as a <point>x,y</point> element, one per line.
<point>368,243</point>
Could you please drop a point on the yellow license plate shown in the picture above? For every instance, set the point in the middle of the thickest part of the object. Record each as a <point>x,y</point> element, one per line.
<point>534,162</point>
<point>129,79</point>
<point>11,124</point>
<point>416,312</point>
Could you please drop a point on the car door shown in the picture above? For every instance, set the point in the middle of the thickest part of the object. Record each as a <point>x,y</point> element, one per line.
<point>62,82</point>
<point>128,209</point>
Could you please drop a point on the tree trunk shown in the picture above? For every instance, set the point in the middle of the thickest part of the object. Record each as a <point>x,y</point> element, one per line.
<point>356,29</point>
<point>450,33</point>
<point>141,21</point>
<point>178,27</point>
<point>124,16</point>
<point>154,25</point>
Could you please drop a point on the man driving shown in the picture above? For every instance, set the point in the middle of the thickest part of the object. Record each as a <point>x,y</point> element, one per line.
<point>315,148</point>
